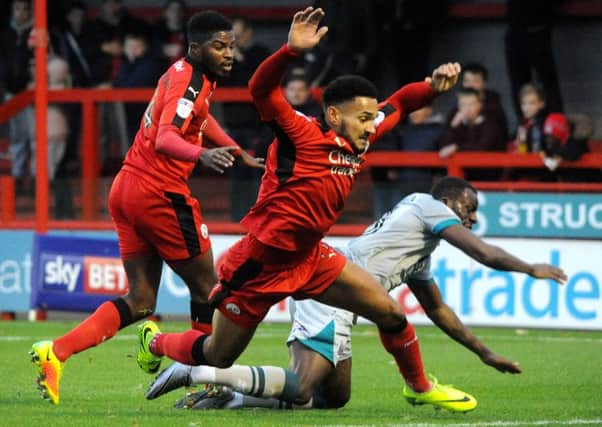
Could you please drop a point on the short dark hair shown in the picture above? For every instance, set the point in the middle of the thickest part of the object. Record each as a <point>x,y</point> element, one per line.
<point>476,68</point>
<point>468,91</point>
<point>345,88</point>
<point>202,25</point>
<point>451,187</point>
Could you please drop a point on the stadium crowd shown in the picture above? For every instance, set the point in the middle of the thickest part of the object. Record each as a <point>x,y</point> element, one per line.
<point>109,46</point>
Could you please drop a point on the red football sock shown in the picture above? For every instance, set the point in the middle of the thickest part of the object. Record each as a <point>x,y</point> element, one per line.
<point>96,328</point>
<point>406,351</point>
<point>176,346</point>
<point>206,328</point>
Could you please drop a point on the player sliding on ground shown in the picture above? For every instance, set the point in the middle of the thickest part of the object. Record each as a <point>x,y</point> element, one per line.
<point>395,249</point>
<point>310,170</point>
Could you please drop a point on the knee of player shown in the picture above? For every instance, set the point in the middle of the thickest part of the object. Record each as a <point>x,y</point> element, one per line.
<point>338,401</point>
<point>323,400</point>
<point>393,317</point>
<point>222,362</point>
<point>306,392</point>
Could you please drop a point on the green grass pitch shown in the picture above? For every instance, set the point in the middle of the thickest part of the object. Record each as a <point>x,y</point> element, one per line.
<point>561,383</point>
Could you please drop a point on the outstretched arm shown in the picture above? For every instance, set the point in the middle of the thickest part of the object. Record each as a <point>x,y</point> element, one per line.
<point>218,136</point>
<point>265,83</point>
<point>443,316</point>
<point>496,257</point>
<point>414,96</point>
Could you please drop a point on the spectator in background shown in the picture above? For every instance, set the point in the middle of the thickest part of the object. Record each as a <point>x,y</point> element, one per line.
<point>471,130</point>
<point>348,44</point>
<point>298,94</point>
<point>242,120</point>
<point>421,133</point>
<point>63,139</point>
<point>475,76</point>
<point>110,28</point>
<point>529,136</point>
<point>16,59</point>
<point>139,69</point>
<point>401,29</point>
<point>78,45</point>
<point>170,31</point>
<point>529,53</point>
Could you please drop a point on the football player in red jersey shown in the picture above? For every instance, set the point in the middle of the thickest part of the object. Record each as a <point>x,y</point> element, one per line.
<point>310,169</point>
<point>150,203</point>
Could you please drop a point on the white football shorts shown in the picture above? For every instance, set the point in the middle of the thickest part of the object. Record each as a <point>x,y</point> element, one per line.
<point>321,328</point>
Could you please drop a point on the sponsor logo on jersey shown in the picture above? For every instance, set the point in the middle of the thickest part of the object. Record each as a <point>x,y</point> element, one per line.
<point>195,93</point>
<point>346,164</point>
<point>184,108</point>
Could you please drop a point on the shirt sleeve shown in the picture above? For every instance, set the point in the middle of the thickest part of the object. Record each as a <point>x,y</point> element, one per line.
<point>217,135</point>
<point>178,100</point>
<point>266,91</point>
<point>409,98</point>
<point>170,143</point>
<point>436,216</point>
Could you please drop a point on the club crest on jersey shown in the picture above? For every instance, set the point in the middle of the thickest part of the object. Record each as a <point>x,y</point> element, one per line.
<point>179,65</point>
<point>204,231</point>
<point>184,108</point>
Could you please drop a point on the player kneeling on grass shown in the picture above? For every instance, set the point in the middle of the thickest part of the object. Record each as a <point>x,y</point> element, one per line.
<point>395,249</point>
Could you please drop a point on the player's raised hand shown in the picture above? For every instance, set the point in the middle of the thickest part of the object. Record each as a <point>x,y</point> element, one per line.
<point>304,33</point>
<point>547,271</point>
<point>444,76</point>
<point>249,161</point>
<point>501,363</point>
<point>218,159</point>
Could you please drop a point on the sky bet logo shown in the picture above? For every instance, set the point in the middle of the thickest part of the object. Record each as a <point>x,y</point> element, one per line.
<point>84,274</point>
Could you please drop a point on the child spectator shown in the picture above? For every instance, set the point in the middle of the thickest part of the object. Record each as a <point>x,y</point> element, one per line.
<point>298,93</point>
<point>139,69</point>
<point>471,130</point>
<point>529,136</point>
<point>475,76</point>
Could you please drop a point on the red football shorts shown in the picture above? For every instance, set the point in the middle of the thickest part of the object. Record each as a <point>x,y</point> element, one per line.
<point>150,220</point>
<point>259,276</point>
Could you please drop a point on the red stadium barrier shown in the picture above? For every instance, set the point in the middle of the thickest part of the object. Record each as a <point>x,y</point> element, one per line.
<point>89,98</point>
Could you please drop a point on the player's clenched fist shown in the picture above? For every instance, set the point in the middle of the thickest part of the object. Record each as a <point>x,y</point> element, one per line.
<point>444,76</point>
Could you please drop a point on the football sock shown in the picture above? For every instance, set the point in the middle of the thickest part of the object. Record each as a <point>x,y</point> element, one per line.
<point>201,315</point>
<point>258,381</point>
<point>96,328</point>
<point>406,351</point>
<point>178,346</point>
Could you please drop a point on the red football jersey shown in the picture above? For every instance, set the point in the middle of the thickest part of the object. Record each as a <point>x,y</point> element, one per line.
<point>309,169</point>
<point>180,101</point>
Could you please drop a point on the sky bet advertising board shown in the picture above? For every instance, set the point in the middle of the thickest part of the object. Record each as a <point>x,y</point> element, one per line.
<point>76,273</point>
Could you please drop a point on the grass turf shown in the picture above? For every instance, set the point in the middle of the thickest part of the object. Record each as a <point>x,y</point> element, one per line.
<point>561,383</point>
